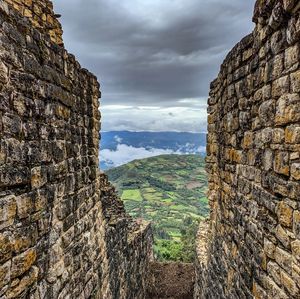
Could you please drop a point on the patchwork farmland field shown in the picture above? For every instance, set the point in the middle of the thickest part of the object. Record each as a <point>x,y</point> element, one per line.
<point>169,191</point>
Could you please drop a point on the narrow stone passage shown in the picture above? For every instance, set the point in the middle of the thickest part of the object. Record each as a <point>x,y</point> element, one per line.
<point>64,232</point>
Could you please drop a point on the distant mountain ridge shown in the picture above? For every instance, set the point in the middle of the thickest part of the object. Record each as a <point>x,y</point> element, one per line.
<point>163,140</point>
<point>117,147</point>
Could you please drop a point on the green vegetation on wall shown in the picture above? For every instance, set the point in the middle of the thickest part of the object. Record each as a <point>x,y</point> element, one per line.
<point>169,191</point>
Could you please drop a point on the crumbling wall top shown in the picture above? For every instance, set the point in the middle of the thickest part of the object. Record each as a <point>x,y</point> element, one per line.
<point>270,10</point>
<point>42,16</point>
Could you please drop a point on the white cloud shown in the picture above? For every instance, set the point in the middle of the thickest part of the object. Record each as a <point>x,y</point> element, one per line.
<point>181,119</point>
<point>127,153</point>
<point>124,154</point>
<point>118,139</point>
<point>193,101</point>
<point>149,107</point>
<point>116,107</point>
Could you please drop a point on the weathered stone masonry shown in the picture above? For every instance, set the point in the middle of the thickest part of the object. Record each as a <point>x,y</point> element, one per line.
<point>63,231</point>
<point>41,15</point>
<point>254,163</point>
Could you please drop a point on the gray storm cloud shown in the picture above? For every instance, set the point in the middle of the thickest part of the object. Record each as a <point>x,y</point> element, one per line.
<point>153,53</point>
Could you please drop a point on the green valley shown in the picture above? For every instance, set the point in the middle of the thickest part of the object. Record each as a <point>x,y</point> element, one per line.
<point>169,191</point>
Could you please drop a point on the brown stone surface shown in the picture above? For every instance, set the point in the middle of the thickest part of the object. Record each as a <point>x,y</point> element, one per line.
<point>254,229</point>
<point>41,15</point>
<point>64,232</point>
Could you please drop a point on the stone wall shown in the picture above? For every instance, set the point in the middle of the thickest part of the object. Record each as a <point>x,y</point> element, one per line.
<point>253,162</point>
<point>63,231</point>
<point>41,15</point>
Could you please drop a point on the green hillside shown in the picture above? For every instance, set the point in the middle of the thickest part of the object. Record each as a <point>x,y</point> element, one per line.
<point>170,191</point>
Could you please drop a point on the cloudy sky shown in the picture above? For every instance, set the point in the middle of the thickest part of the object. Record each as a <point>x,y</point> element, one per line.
<point>154,58</point>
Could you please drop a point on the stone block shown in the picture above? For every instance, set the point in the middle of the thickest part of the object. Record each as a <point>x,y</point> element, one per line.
<point>269,248</point>
<point>289,5</point>
<point>292,56</point>
<point>14,175</point>
<point>258,95</point>
<point>64,208</point>
<point>22,285</point>
<point>296,224</point>
<point>295,81</point>
<point>277,16</point>
<point>244,120</point>
<point>27,13</point>
<point>294,156</point>
<point>258,291</point>
<point>267,112</point>
<point>280,86</point>
<point>3,74</point>
<point>265,137</point>
<point>294,190</point>
<point>281,163</point>
<point>12,125</point>
<point>276,67</point>
<point>285,214</point>
<point>278,136</point>
<point>288,109</point>
<point>295,171</point>
<point>59,151</point>
<point>40,200</point>
<point>28,3</point>
<point>289,284</point>
<point>277,42</point>
<point>284,259</point>
<point>274,271</point>
<point>24,206</point>
<point>296,249</point>
<point>273,290</point>
<point>5,274</point>
<point>22,262</point>
<point>15,151</point>
<point>23,238</point>
<point>248,141</point>
<point>68,237</point>
<point>38,177</point>
<point>268,159</point>
<point>5,247</point>
<point>8,210</point>
<point>292,134</point>
<point>62,112</point>
<point>296,273</point>
<point>283,236</point>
